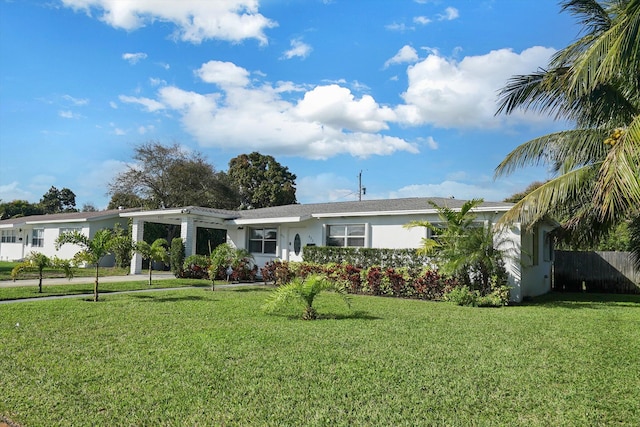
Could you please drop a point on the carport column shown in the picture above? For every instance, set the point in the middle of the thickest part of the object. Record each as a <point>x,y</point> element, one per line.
<point>137,235</point>
<point>188,235</point>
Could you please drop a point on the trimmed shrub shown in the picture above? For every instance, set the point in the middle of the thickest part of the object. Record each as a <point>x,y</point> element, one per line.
<point>366,257</point>
<point>196,267</point>
<point>176,256</point>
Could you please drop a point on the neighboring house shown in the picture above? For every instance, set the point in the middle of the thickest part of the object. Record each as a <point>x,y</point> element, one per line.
<point>38,233</point>
<point>283,232</point>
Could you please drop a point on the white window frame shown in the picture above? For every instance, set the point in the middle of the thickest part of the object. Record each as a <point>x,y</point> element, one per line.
<point>261,236</point>
<point>9,236</point>
<point>342,232</point>
<point>37,237</point>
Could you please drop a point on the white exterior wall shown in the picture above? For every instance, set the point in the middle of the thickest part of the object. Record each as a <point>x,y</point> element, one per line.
<point>17,251</point>
<point>537,261</point>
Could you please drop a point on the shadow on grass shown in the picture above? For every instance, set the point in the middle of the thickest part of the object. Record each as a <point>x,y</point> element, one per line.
<point>359,314</point>
<point>252,289</point>
<point>154,298</point>
<point>584,300</point>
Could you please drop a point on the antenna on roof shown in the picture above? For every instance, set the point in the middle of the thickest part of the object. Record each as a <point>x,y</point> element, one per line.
<point>361,190</point>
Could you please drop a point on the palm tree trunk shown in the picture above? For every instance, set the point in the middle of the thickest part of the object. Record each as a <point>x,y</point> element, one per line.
<point>40,282</point>
<point>95,285</point>
<point>150,272</point>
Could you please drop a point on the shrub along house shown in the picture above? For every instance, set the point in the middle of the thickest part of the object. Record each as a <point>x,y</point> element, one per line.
<point>283,232</point>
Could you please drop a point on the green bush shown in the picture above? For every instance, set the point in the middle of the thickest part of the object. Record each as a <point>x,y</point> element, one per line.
<point>463,295</point>
<point>176,256</point>
<point>366,257</point>
<point>196,267</point>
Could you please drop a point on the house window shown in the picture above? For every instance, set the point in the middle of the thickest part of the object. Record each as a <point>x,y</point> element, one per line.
<point>8,236</point>
<point>263,240</point>
<point>346,235</point>
<point>37,237</point>
<point>71,230</point>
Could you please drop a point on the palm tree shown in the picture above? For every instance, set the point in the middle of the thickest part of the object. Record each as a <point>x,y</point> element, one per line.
<point>92,250</point>
<point>157,251</point>
<point>306,291</point>
<point>463,248</point>
<point>225,257</point>
<point>594,82</point>
<point>39,261</point>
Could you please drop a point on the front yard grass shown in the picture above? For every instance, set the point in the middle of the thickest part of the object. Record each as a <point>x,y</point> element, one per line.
<point>196,357</point>
<point>21,292</point>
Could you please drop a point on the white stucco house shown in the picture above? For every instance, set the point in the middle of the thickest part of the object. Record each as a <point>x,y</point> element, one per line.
<point>283,232</point>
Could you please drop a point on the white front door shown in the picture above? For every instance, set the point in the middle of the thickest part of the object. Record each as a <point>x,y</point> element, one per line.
<point>296,245</point>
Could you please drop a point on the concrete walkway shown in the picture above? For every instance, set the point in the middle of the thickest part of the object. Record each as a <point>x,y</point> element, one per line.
<point>106,279</point>
<point>80,280</point>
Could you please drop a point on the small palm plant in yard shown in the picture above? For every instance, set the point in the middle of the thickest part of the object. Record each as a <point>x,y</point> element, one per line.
<point>305,291</point>
<point>92,250</point>
<point>157,251</point>
<point>38,261</point>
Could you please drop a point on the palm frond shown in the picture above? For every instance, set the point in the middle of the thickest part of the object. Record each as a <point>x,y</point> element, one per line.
<point>617,190</point>
<point>551,197</point>
<point>562,151</point>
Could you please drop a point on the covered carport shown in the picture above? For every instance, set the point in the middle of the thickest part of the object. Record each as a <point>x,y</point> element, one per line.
<point>189,219</point>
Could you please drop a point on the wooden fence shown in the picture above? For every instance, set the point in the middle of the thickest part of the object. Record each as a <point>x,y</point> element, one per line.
<point>610,272</point>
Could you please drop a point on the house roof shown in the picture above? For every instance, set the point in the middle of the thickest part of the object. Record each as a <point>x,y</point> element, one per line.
<point>364,207</point>
<point>64,217</point>
<point>276,214</point>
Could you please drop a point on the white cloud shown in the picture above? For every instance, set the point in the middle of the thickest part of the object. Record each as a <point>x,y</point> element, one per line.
<point>119,132</point>
<point>405,54</point>
<point>134,58</point>
<point>401,27</point>
<point>298,49</point>
<point>462,94</point>
<point>68,114</point>
<point>195,20</point>
<point>336,106</point>
<point>150,104</point>
<point>459,190</point>
<point>326,187</point>
<point>12,191</point>
<point>113,105</point>
<point>156,82</point>
<point>449,14</point>
<point>78,102</point>
<point>422,20</point>
<point>316,123</point>
<point>223,74</point>
<point>144,129</point>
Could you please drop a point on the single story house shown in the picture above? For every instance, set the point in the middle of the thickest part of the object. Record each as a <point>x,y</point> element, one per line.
<point>282,232</point>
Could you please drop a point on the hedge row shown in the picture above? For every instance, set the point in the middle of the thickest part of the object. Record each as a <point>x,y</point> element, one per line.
<point>366,257</point>
<point>424,283</point>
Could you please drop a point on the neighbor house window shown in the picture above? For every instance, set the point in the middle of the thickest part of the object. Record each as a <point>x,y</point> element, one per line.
<point>346,235</point>
<point>263,240</point>
<point>8,236</point>
<point>37,237</point>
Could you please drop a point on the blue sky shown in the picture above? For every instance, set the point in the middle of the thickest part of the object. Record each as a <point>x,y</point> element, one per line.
<point>402,90</point>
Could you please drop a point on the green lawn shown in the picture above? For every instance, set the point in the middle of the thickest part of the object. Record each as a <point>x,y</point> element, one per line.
<point>196,357</point>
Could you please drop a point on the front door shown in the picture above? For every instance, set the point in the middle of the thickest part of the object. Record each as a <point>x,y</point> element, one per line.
<point>296,244</point>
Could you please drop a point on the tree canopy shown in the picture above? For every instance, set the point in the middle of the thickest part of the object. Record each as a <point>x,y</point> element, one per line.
<point>170,176</point>
<point>595,83</point>
<point>261,181</point>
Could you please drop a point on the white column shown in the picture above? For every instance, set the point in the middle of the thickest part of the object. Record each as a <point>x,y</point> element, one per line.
<point>188,235</point>
<point>137,235</point>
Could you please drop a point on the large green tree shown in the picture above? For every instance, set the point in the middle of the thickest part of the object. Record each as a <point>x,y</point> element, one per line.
<point>594,82</point>
<point>261,181</point>
<point>164,176</point>
<point>56,201</point>
<point>19,208</point>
